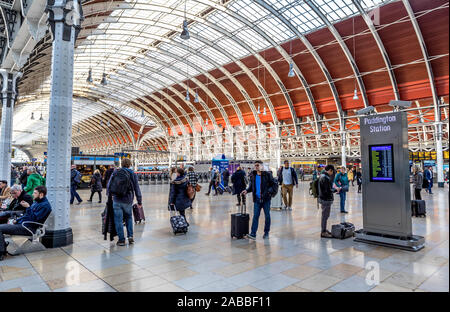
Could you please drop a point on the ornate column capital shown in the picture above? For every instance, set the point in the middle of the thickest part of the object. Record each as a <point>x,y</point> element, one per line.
<point>68,12</point>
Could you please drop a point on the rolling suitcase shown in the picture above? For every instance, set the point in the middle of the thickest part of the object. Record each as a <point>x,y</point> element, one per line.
<point>240,221</point>
<point>343,230</point>
<point>418,208</point>
<point>138,214</point>
<point>178,223</point>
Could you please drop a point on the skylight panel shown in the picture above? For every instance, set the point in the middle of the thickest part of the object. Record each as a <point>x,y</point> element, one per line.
<point>232,47</point>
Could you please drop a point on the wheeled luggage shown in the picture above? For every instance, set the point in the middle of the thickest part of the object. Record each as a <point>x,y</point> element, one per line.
<point>418,208</point>
<point>240,221</point>
<point>138,214</point>
<point>178,223</point>
<point>343,230</point>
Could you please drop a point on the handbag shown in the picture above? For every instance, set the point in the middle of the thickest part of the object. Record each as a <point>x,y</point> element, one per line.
<point>198,188</point>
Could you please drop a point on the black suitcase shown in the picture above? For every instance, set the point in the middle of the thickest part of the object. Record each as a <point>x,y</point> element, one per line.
<point>418,208</point>
<point>178,222</point>
<point>240,221</point>
<point>343,230</point>
<point>138,214</point>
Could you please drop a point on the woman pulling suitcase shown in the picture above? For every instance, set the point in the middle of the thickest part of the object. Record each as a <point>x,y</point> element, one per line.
<point>178,198</point>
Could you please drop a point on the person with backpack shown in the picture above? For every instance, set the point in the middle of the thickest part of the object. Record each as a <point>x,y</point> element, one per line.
<point>75,179</point>
<point>264,187</point>
<point>107,175</point>
<point>325,188</point>
<point>96,186</point>
<point>226,177</point>
<point>287,178</point>
<point>341,181</point>
<point>123,185</point>
<point>178,196</point>
<point>239,184</point>
<point>417,182</point>
<point>34,179</point>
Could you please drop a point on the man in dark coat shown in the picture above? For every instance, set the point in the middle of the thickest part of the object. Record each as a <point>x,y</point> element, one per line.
<point>24,177</point>
<point>239,184</point>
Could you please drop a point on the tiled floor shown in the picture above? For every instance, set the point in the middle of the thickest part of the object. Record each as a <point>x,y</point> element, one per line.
<point>295,258</point>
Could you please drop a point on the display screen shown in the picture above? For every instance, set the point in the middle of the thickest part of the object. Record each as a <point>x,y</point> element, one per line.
<point>381,159</point>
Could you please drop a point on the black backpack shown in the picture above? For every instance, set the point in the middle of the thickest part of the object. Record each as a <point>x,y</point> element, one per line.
<point>120,183</point>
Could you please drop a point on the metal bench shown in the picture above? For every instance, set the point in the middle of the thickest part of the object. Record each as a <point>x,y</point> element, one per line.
<point>32,243</point>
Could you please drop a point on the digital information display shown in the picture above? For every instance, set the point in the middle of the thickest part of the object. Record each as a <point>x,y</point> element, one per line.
<point>381,163</point>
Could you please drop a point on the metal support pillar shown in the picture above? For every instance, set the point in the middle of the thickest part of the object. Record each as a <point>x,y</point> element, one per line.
<point>343,149</point>
<point>9,96</point>
<point>64,20</point>
<point>439,154</point>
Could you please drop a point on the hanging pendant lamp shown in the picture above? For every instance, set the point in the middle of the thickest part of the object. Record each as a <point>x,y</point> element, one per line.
<point>355,95</point>
<point>185,33</point>
<point>89,77</point>
<point>40,118</point>
<point>291,73</point>
<point>264,111</point>
<point>32,116</point>
<point>104,82</point>
<point>188,98</point>
<point>196,100</point>
<point>142,113</point>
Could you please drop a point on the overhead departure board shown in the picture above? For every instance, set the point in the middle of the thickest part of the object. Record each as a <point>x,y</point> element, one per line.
<point>381,163</point>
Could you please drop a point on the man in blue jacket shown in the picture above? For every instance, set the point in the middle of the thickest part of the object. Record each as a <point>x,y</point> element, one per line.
<point>37,212</point>
<point>429,177</point>
<point>287,178</point>
<point>123,203</point>
<point>263,186</point>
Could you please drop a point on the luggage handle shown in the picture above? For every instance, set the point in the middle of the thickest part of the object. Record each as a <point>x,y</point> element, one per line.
<point>243,207</point>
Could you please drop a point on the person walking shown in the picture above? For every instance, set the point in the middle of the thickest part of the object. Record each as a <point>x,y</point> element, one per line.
<point>96,186</point>
<point>326,198</point>
<point>34,179</point>
<point>13,176</point>
<point>429,177</point>
<point>212,181</point>
<point>341,181</point>
<point>123,186</point>
<point>239,184</point>
<point>287,178</point>
<point>359,179</point>
<point>263,186</point>
<point>226,178</point>
<point>178,193</point>
<point>315,173</point>
<point>351,176</point>
<point>75,178</point>
<point>193,180</point>
<point>417,182</point>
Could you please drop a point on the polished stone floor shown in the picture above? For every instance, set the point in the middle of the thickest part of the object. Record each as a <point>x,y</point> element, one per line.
<point>294,259</point>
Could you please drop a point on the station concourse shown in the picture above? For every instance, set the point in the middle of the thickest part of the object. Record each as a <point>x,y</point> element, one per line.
<point>354,92</point>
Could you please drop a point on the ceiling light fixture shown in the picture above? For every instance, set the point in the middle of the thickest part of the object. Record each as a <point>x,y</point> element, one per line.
<point>185,33</point>
<point>32,116</point>
<point>196,100</point>
<point>188,98</point>
<point>355,93</point>
<point>291,70</point>
<point>104,82</point>
<point>40,118</point>
<point>142,113</point>
<point>264,111</point>
<point>89,77</point>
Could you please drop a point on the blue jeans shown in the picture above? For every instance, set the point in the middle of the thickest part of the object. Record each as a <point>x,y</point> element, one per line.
<point>73,193</point>
<point>123,212</point>
<point>343,196</point>
<point>430,185</point>
<point>257,206</point>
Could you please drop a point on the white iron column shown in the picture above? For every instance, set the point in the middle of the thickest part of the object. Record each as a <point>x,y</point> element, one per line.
<point>439,155</point>
<point>64,20</point>
<point>9,95</point>
<point>343,149</point>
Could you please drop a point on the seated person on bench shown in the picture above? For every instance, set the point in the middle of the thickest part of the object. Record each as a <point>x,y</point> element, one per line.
<point>37,212</point>
<point>15,207</point>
